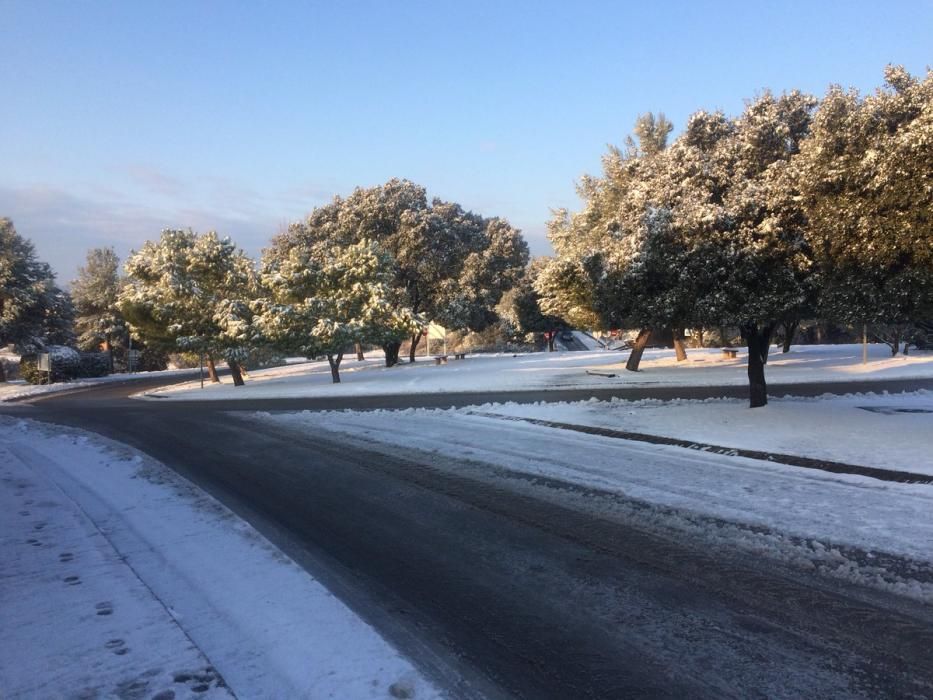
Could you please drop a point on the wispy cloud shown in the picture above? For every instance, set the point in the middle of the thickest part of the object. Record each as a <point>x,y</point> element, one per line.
<point>64,226</point>
<point>154,180</point>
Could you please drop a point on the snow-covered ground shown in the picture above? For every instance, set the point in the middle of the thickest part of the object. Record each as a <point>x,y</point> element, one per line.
<point>19,388</point>
<point>121,579</point>
<point>561,370</point>
<point>890,431</point>
<point>810,517</point>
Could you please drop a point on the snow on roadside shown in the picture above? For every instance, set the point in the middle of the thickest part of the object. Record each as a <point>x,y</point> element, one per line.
<point>164,572</point>
<point>890,431</point>
<point>560,370</point>
<point>808,517</point>
<point>77,622</point>
<point>19,388</point>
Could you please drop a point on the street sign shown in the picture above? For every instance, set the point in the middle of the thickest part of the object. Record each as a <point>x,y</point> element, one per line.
<point>44,363</point>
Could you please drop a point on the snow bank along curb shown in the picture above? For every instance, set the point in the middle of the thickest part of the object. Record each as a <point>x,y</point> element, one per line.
<point>902,477</point>
<point>264,624</point>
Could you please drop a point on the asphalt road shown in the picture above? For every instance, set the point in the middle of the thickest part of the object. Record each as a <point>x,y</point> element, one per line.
<point>499,585</point>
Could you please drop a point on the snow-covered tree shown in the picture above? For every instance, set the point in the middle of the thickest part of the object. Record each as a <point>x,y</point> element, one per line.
<point>33,310</point>
<point>523,306</point>
<point>323,299</point>
<point>95,293</point>
<point>193,292</point>
<point>448,265</point>
<point>865,179</point>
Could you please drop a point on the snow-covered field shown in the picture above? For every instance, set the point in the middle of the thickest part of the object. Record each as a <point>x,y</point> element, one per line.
<point>121,579</point>
<point>560,370</point>
<point>807,516</point>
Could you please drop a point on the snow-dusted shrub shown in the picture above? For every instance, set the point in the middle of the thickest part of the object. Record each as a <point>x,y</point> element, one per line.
<point>66,364</point>
<point>94,364</point>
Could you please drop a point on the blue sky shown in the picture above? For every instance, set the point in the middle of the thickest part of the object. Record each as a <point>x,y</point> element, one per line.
<point>120,119</point>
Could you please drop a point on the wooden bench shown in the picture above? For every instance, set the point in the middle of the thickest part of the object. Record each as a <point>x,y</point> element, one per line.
<point>459,355</point>
<point>440,359</point>
<point>730,353</point>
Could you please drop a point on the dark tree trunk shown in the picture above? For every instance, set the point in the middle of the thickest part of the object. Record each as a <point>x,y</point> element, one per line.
<point>757,339</point>
<point>415,339</point>
<point>550,341</point>
<point>235,372</point>
<point>724,338</point>
<point>334,362</point>
<point>110,353</point>
<point>638,349</point>
<point>790,330</point>
<point>391,352</point>
<point>212,370</point>
<point>359,352</point>
<point>2,372</point>
<point>679,347</point>
<point>700,338</point>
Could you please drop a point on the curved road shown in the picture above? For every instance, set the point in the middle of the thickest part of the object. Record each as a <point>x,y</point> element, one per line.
<point>499,585</point>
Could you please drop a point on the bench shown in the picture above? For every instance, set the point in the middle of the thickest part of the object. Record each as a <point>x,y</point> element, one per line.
<point>459,355</point>
<point>730,353</point>
<point>440,359</point>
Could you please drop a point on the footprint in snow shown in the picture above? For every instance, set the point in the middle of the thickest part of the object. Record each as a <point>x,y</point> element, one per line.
<point>72,580</point>
<point>65,557</point>
<point>105,608</point>
<point>117,646</point>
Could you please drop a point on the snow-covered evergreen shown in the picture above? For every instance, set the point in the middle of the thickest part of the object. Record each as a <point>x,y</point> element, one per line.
<point>324,298</point>
<point>190,291</point>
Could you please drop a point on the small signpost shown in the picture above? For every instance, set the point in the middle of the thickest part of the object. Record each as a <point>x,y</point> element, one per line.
<point>132,360</point>
<point>44,364</point>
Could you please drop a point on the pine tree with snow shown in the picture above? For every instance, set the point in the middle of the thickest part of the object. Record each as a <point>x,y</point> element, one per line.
<point>322,298</point>
<point>448,264</point>
<point>95,293</point>
<point>524,310</point>
<point>34,312</point>
<point>865,181</point>
<point>193,292</point>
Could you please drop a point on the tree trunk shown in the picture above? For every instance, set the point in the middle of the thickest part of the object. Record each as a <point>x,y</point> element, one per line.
<point>790,330</point>
<point>334,362</point>
<point>638,349</point>
<point>391,352</point>
<point>110,353</point>
<point>723,338</point>
<point>757,339</point>
<point>212,370</point>
<point>2,372</point>
<point>700,342</point>
<point>679,348</point>
<point>415,339</point>
<point>359,352</point>
<point>235,372</point>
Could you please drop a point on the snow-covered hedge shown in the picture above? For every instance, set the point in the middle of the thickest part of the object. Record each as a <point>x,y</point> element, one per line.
<point>67,363</point>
